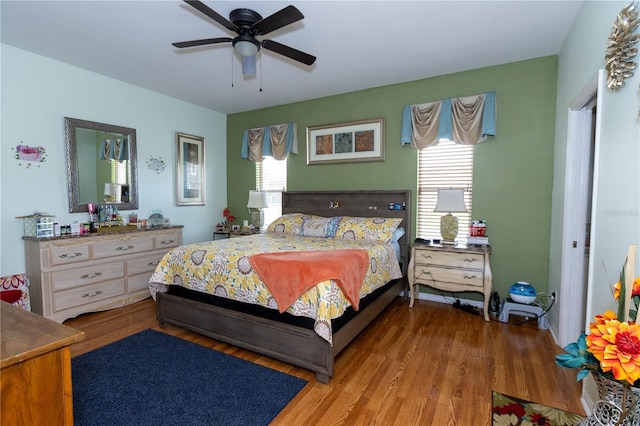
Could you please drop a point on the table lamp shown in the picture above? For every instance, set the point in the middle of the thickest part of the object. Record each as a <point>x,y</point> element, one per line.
<point>257,202</point>
<point>112,192</point>
<point>450,200</point>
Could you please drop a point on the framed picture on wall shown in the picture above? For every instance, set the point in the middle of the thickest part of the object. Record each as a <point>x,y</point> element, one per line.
<point>354,141</point>
<point>190,170</point>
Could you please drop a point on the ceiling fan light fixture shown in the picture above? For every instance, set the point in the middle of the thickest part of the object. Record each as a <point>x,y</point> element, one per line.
<point>248,65</point>
<point>246,46</point>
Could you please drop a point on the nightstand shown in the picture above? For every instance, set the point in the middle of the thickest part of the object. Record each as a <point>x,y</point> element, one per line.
<point>237,234</point>
<point>451,268</point>
<point>221,235</point>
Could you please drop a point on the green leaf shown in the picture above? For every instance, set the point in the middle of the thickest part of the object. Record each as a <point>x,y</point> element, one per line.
<point>621,313</point>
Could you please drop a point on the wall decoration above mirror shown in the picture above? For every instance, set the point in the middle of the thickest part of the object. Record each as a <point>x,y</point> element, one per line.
<point>90,171</point>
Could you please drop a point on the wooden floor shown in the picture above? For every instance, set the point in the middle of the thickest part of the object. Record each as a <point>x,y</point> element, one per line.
<point>429,365</point>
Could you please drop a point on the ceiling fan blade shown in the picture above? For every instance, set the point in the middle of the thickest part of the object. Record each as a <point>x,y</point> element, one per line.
<point>202,42</point>
<point>213,14</point>
<point>280,19</point>
<point>289,52</point>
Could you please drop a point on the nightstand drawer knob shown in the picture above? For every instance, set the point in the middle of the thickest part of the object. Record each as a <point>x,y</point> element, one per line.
<point>473,259</point>
<point>470,277</point>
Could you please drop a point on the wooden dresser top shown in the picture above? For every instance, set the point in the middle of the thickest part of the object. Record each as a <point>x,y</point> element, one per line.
<point>25,335</point>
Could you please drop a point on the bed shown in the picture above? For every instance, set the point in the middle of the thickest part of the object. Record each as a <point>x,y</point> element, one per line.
<point>288,333</point>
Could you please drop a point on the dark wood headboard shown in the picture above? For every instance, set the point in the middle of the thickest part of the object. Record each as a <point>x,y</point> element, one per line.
<point>355,203</point>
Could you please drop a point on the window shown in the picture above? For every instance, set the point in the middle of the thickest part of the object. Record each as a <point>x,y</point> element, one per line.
<point>271,176</point>
<point>119,172</point>
<point>446,165</point>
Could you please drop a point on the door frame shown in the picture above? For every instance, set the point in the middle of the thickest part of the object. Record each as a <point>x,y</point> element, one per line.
<point>572,288</point>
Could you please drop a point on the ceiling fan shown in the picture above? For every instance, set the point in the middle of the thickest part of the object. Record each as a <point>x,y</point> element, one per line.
<point>249,24</point>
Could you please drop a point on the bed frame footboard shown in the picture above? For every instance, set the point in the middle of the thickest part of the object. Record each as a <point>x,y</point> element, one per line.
<point>291,344</point>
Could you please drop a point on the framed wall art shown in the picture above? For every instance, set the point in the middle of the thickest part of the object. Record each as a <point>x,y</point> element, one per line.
<point>354,141</point>
<point>190,170</point>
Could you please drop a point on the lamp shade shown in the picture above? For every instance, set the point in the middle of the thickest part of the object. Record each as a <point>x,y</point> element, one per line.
<point>110,189</point>
<point>248,65</point>
<point>257,200</point>
<point>245,46</point>
<point>450,200</point>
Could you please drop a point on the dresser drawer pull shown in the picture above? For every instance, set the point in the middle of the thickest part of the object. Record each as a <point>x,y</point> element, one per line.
<point>167,241</point>
<point>467,277</point>
<point>95,275</point>
<point>122,248</point>
<point>97,293</point>
<point>426,256</point>
<point>473,259</point>
<point>153,263</point>
<point>70,256</point>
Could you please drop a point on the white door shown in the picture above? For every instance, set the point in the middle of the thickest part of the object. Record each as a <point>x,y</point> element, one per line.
<point>577,208</point>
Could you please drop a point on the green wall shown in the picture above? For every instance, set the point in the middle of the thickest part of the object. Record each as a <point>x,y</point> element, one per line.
<point>512,173</point>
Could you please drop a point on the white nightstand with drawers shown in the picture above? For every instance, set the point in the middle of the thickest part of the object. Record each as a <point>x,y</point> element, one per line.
<point>451,268</point>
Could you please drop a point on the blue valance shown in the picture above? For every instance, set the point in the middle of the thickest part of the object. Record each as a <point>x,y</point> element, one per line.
<point>114,149</point>
<point>276,141</point>
<point>468,120</point>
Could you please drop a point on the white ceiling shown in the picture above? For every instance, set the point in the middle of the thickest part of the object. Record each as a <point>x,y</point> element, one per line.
<point>359,44</point>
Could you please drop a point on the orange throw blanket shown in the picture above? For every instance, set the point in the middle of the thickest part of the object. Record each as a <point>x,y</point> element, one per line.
<point>288,275</point>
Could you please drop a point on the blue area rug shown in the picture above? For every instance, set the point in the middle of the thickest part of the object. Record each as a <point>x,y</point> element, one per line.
<point>152,378</point>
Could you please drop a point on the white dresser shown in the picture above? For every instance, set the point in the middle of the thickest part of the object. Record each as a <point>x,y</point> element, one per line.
<point>95,272</point>
<point>451,268</point>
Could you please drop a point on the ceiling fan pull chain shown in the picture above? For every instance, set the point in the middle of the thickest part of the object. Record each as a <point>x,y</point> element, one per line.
<point>231,68</point>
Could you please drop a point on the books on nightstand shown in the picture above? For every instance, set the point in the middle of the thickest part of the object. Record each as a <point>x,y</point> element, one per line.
<point>478,241</point>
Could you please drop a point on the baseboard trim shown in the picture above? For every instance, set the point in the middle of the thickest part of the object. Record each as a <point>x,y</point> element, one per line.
<point>445,299</point>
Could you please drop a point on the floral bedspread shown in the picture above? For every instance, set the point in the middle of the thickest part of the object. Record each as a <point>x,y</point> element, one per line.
<point>222,268</point>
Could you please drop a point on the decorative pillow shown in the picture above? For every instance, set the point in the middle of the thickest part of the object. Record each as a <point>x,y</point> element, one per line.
<point>367,228</point>
<point>290,223</point>
<point>324,227</point>
<point>10,296</point>
<point>397,234</point>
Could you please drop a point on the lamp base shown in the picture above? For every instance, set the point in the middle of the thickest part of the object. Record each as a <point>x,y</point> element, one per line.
<point>448,229</point>
<point>257,218</point>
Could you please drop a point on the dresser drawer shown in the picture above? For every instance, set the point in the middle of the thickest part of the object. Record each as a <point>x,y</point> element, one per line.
<point>138,282</point>
<point>431,275</point>
<point>457,260</point>
<point>87,294</point>
<point>65,254</point>
<point>122,246</point>
<point>90,274</point>
<point>143,264</point>
<point>166,241</point>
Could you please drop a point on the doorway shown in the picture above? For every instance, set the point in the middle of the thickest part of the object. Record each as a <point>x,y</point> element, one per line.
<point>581,142</point>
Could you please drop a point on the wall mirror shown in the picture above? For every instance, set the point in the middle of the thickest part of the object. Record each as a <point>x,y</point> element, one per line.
<point>102,165</point>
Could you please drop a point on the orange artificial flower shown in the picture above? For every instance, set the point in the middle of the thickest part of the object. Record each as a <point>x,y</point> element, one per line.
<point>634,292</point>
<point>616,345</point>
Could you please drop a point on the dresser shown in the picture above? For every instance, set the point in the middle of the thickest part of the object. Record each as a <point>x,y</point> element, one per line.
<point>94,272</point>
<point>36,369</point>
<point>451,268</point>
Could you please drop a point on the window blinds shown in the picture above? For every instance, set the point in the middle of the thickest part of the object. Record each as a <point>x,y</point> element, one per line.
<point>446,165</point>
